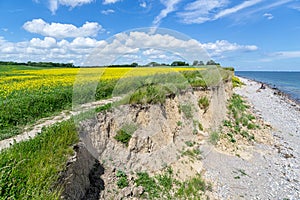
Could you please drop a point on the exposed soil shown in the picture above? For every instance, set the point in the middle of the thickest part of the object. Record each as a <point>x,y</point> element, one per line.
<point>163,133</point>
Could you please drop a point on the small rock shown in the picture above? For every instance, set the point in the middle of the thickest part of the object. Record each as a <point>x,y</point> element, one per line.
<point>138,191</point>
<point>126,192</point>
<point>287,155</point>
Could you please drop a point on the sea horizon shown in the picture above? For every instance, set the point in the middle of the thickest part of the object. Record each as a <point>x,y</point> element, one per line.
<point>286,81</point>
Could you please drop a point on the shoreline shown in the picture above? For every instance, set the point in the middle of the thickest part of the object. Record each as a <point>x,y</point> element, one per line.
<point>272,171</point>
<point>277,91</point>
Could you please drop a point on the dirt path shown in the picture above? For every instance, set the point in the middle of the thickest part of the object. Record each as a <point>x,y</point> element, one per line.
<point>63,116</point>
<point>273,172</point>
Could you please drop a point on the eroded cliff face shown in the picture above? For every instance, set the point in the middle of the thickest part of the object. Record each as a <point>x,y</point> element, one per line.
<point>160,136</point>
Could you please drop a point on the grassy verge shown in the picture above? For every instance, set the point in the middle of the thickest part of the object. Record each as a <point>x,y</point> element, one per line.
<point>30,169</point>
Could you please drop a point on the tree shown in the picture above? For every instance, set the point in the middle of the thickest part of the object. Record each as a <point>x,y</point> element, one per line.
<point>153,64</point>
<point>195,63</point>
<point>134,64</point>
<point>211,62</point>
<point>179,63</point>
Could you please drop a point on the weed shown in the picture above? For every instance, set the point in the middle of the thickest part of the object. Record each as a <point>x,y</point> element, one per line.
<point>192,153</point>
<point>203,103</point>
<point>187,110</point>
<point>195,131</point>
<point>192,188</point>
<point>179,123</point>
<point>122,179</point>
<point>165,186</point>
<point>189,143</point>
<point>236,82</point>
<point>123,137</point>
<point>251,126</point>
<point>227,123</point>
<point>125,133</point>
<point>148,183</point>
<point>200,126</point>
<point>214,137</point>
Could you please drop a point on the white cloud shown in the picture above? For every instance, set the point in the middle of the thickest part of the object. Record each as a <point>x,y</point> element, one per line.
<point>107,12</point>
<point>201,11</point>
<point>143,4</point>
<point>223,46</point>
<point>269,16</point>
<point>295,6</point>
<point>57,30</point>
<point>279,55</point>
<point>54,4</point>
<point>48,42</point>
<point>264,7</point>
<point>170,7</point>
<point>237,8</point>
<point>148,47</point>
<point>110,1</point>
<point>152,52</point>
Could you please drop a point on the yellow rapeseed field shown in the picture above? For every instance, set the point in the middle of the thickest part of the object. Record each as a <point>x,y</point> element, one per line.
<point>49,78</point>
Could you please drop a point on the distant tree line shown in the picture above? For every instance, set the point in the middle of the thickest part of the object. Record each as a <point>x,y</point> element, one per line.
<point>39,64</point>
<point>71,65</point>
<point>199,63</point>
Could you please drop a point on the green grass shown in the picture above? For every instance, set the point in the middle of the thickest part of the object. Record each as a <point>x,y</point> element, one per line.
<point>189,143</point>
<point>154,89</point>
<point>122,179</point>
<point>214,137</point>
<point>166,186</point>
<point>239,119</point>
<point>30,169</point>
<point>125,133</point>
<point>192,189</point>
<point>187,110</point>
<point>194,153</point>
<point>24,107</point>
<point>236,82</point>
<point>203,103</point>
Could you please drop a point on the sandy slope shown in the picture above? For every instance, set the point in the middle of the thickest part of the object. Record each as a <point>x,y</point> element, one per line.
<point>273,172</point>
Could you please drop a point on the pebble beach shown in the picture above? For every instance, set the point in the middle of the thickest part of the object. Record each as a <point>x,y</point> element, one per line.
<point>273,172</point>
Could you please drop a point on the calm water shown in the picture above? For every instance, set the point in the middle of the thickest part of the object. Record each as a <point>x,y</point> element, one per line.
<point>288,82</point>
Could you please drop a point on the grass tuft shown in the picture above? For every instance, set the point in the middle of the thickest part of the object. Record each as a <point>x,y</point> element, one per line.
<point>203,103</point>
<point>125,133</point>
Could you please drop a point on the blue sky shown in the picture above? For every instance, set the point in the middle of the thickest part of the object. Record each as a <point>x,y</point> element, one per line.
<point>249,35</point>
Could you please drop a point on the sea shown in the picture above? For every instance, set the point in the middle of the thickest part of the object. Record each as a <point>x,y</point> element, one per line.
<point>287,82</point>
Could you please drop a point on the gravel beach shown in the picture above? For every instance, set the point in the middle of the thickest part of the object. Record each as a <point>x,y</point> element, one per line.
<point>273,171</point>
